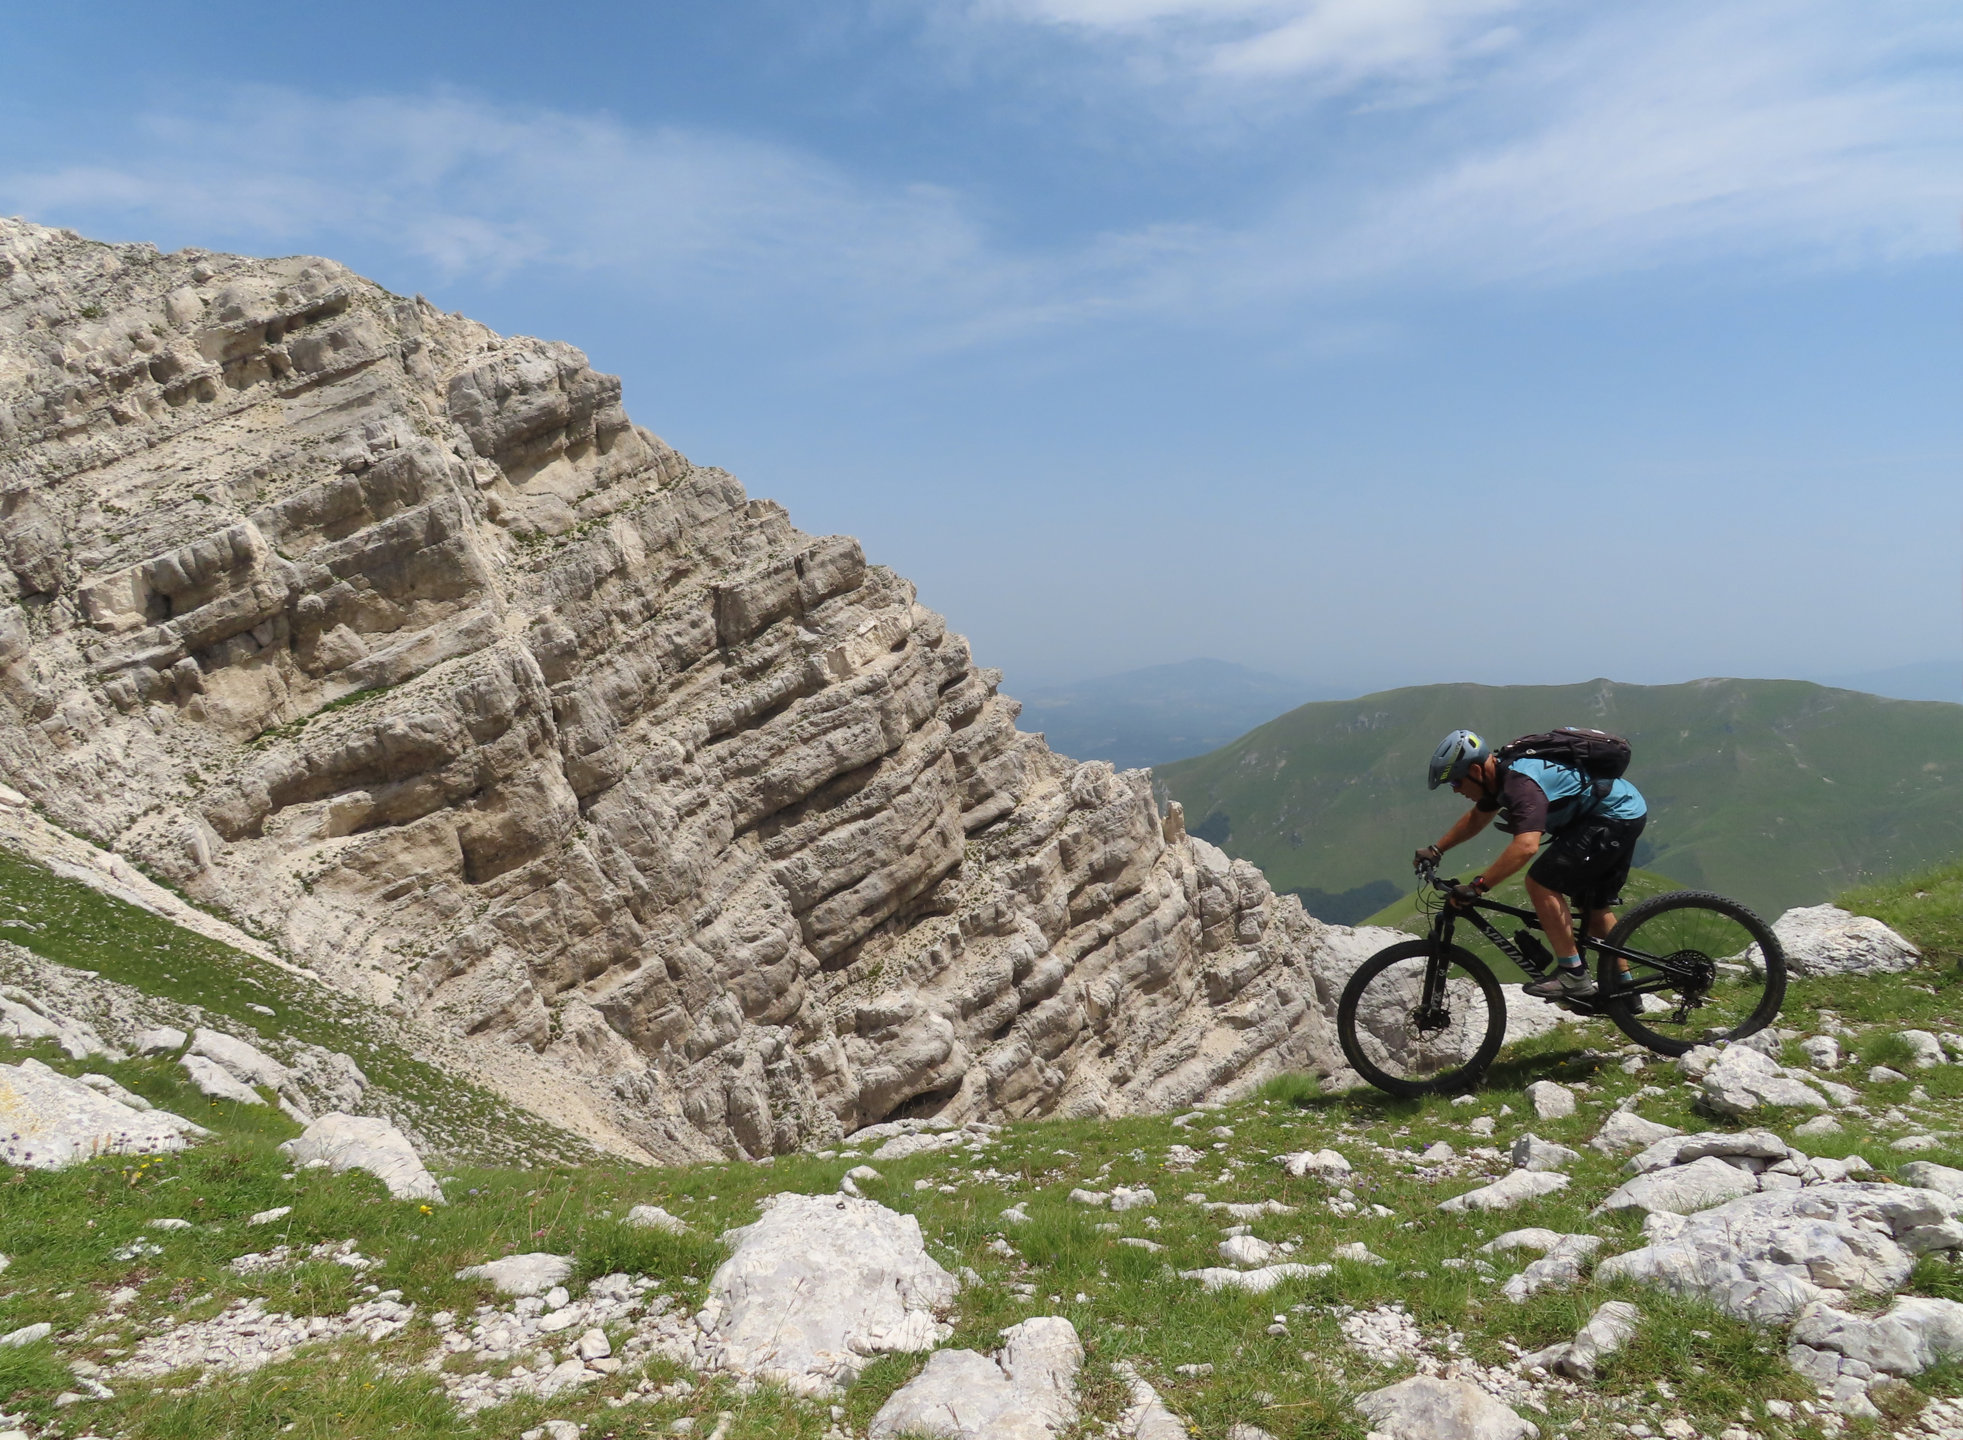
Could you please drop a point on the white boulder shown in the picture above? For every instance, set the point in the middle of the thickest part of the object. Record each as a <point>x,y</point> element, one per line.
<point>653,1217</point>
<point>162,1040</point>
<point>1530,1152</point>
<point>1914,1333</point>
<point>1826,940</point>
<point>1550,1101</point>
<point>359,1142</point>
<point>1764,1257</point>
<point>1625,1128</point>
<point>1925,1049</point>
<point>215,1080</point>
<point>1028,1391</point>
<point>1681,1189</point>
<point>48,1121</point>
<point>1255,1282</point>
<point>25,1018</point>
<point>248,1062</point>
<point>817,1286</point>
<point>1247,1251</point>
<point>1743,1079</point>
<point>1425,1407</point>
<point>1928,1175</point>
<point>1326,1164</point>
<point>1505,1193</point>
<point>531,1274</point>
<point>1822,1051</point>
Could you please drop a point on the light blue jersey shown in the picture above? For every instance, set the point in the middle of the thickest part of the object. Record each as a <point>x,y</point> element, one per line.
<point>1563,783</point>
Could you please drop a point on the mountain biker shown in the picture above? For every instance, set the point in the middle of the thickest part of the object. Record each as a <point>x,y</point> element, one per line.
<point>1579,841</point>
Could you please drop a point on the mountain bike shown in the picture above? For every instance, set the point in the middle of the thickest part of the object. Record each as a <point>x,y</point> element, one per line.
<point>1426,1017</point>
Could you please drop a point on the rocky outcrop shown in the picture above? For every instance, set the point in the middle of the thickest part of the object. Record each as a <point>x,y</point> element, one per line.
<point>394,639</point>
<point>1826,940</point>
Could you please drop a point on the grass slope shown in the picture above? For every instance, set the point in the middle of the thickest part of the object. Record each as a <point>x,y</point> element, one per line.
<point>1776,792</point>
<point>1294,1375</point>
<point>198,980</point>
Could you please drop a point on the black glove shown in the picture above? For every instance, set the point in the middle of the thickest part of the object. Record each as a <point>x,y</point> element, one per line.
<point>1465,894</point>
<point>1427,856</point>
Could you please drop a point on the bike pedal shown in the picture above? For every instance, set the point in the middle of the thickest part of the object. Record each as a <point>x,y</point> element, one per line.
<point>1580,1007</point>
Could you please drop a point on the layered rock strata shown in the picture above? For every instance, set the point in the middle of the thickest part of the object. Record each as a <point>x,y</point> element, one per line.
<point>393,638</point>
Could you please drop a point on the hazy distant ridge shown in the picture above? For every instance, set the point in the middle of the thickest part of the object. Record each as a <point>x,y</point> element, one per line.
<point>1780,792</point>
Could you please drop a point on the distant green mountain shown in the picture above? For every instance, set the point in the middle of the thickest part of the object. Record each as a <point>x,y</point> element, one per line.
<point>1161,713</point>
<point>1777,792</point>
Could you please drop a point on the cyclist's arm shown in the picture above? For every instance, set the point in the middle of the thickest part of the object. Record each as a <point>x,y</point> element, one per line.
<point>1512,859</point>
<point>1465,827</point>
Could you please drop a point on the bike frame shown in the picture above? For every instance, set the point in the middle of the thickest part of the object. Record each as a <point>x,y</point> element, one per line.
<point>1665,972</point>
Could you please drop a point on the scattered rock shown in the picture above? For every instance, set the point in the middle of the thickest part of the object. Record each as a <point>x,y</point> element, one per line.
<point>1246,1251</point>
<point>1818,1125</point>
<point>1530,1152</point>
<point>244,1336</point>
<point>1822,1051</point>
<point>25,1018</point>
<point>1742,1080</point>
<point>1763,1257</point>
<point>49,1120</point>
<point>1928,1050</point>
<point>1682,1189</point>
<point>1626,1128</point>
<point>215,1080</point>
<point>1028,1391</point>
<point>1098,1198</point>
<point>1911,1335</point>
<point>531,1274</point>
<point>1327,1164</point>
<point>103,1085</point>
<point>1505,1193</point>
<point>1550,1101</point>
<point>1425,1407</point>
<point>1437,1153</point>
<point>1146,1417</point>
<point>1139,1199</point>
<point>1826,940</point>
<point>356,1142</point>
<point>267,1217</point>
<point>1357,1253</point>
<point>161,1040</point>
<point>1884,1075</point>
<point>816,1287</point>
<point>1255,1282</point>
<point>26,1335</point>
<point>1480,1125</point>
<point>245,1061</point>
<point>1606,1332</point>
<point>1928,1175</point>
<point>653,1217</point>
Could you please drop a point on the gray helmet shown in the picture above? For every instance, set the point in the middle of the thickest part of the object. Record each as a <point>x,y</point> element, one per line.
<point>1456,754</point>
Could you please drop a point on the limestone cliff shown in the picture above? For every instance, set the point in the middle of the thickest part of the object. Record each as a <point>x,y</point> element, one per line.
<point>394,639</point>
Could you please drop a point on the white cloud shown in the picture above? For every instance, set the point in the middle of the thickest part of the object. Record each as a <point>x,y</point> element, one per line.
<point>1341,43</point>
<point>1793,134</point>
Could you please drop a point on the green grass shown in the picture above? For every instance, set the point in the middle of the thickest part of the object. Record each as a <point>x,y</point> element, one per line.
<point>1775,792</point>
<point>67,922</point>
<point>1926,908</point>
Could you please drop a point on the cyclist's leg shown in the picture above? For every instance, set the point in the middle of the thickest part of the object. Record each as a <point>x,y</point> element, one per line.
<point>1552,908</point>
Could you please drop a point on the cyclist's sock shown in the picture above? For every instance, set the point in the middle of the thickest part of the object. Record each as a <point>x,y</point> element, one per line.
<point>1569,962</point>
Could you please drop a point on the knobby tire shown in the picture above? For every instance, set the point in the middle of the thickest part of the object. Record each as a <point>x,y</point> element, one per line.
<point>1461,962</point>
<point>1686,904</point>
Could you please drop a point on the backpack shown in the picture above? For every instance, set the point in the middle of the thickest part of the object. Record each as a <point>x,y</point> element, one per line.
<point>1600,756</point>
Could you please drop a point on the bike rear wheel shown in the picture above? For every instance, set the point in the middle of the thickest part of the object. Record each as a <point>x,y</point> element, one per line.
<point>1728,976</point>
<point>1391,1040</point>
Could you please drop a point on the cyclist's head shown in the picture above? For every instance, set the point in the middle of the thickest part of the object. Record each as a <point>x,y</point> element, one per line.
<point>1456,754</point>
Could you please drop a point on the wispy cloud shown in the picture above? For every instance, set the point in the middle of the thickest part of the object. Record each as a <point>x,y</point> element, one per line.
<point>1804,133</point>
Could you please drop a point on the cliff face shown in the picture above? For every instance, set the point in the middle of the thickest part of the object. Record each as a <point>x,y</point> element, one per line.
<point>396,640</point>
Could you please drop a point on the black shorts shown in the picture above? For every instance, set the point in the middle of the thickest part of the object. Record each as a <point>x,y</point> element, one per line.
<point>1589,861</point>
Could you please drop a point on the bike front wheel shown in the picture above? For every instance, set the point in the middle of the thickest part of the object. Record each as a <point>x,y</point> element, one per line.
<point>1715,972</point>
<point>1405,1047</point>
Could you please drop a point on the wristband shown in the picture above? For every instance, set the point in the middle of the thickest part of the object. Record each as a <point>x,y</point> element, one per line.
<point>1479,884</point>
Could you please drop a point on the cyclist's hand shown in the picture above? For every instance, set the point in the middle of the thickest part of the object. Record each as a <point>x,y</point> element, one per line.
<point>1427,856</point>
<point>1463,895</point>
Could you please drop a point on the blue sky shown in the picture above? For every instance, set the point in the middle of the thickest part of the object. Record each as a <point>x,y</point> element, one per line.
<point>1370,341</point>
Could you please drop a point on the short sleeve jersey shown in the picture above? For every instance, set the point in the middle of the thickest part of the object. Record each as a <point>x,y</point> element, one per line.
<point>1538,795</point>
